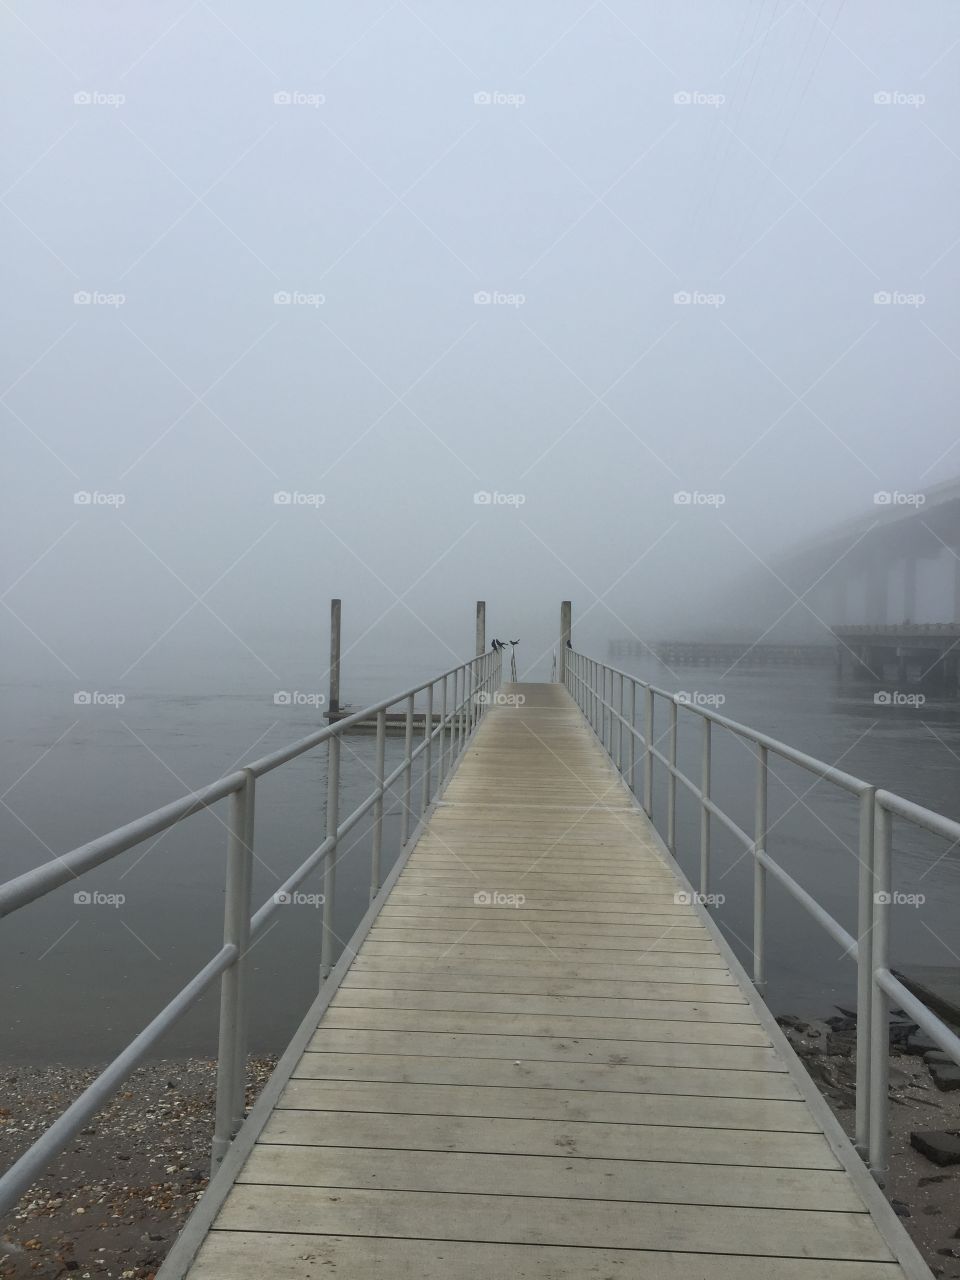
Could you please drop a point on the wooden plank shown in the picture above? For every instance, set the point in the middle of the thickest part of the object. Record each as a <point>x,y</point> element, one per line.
<point>655,1182</point>
<point>519,926</point>
<point>427,980</point>
<point>549,1104</point>
<point>568,1076</point>
<point>545,965</point>
<point>573,1140</point>
<point>774,1233</point>
<point>637,1053</point>
<point>659,952</point>
<point>593,1008</point>
<point>256,1255</point>
<point>614,938</point>
<point>680,1031</point>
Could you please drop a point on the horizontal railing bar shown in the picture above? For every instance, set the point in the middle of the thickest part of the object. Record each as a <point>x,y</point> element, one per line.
<point>826,771</point>
<point>935,1028</point>
<point>833,927</point>
<point>40,880</point>
<point>25,1171</point>
<point>936,823</point>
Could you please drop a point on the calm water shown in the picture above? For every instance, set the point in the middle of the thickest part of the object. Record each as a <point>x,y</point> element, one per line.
<point>80,979</point>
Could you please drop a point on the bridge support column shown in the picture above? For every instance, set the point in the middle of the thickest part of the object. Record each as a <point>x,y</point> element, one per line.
<point>956,583</point>
<point>909,588</point>
<point>877,592</point>
<point>481,627</point>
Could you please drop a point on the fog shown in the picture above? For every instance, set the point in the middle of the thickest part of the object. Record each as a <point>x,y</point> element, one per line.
<point>386,257</point>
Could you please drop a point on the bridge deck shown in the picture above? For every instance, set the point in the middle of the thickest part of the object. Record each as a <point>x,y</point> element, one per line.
<point>572,1087</point>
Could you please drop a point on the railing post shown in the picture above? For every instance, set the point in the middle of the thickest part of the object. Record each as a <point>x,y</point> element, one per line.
<point>231,1059</point>
<point>408,772</point>
<point>864,969</point>
<point>619,720</point>
<point>704,811</point>
<point>760,871</point>
<point>672,780</point>
<point>330,858</point>
<point>648,751</point>
<point>442,763</point>
<point>631,739</point>
<point>566,612</point>
<point>880,1012</point>
<point>427,751</point>
<point>377,843</point>
<point>333,699</point>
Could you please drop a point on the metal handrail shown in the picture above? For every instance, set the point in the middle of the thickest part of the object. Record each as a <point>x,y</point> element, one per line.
<point>588,680</point>
<point>473,684</point>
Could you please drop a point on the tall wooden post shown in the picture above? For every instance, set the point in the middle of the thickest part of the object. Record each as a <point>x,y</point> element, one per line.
<point>566,618</point>
<point>333,701</point>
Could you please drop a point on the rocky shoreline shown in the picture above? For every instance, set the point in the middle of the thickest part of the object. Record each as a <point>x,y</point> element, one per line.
<point>113,1203</point>
<point>923,1183</point>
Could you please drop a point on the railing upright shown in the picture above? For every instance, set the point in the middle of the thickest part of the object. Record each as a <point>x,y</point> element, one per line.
<point>648,720</point>
<point>672,780</point>
<point>705,772</point>
<point>377,838</point>
<point>231,1058</point>
<point>330,857</point>
<point>442,744</point>
<point>408,772</point>
<point>427,750</point>
<point>878,962</point>
<point>865,910</point>
<point>632,740</point>
<point>759,870</point>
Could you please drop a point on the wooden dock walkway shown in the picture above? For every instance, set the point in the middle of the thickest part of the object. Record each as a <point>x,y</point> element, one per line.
<point>543,1062</point>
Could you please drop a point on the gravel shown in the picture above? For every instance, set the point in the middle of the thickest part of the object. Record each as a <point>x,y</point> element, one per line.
<point>113,1203</point>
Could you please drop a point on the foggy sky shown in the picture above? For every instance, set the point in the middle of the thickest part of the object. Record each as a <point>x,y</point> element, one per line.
<point>582,185</point>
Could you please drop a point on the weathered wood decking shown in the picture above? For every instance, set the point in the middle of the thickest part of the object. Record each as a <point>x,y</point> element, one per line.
<point>577,1086</point>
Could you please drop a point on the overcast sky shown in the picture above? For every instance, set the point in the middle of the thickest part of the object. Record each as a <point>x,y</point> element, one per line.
<point>480,216</point>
